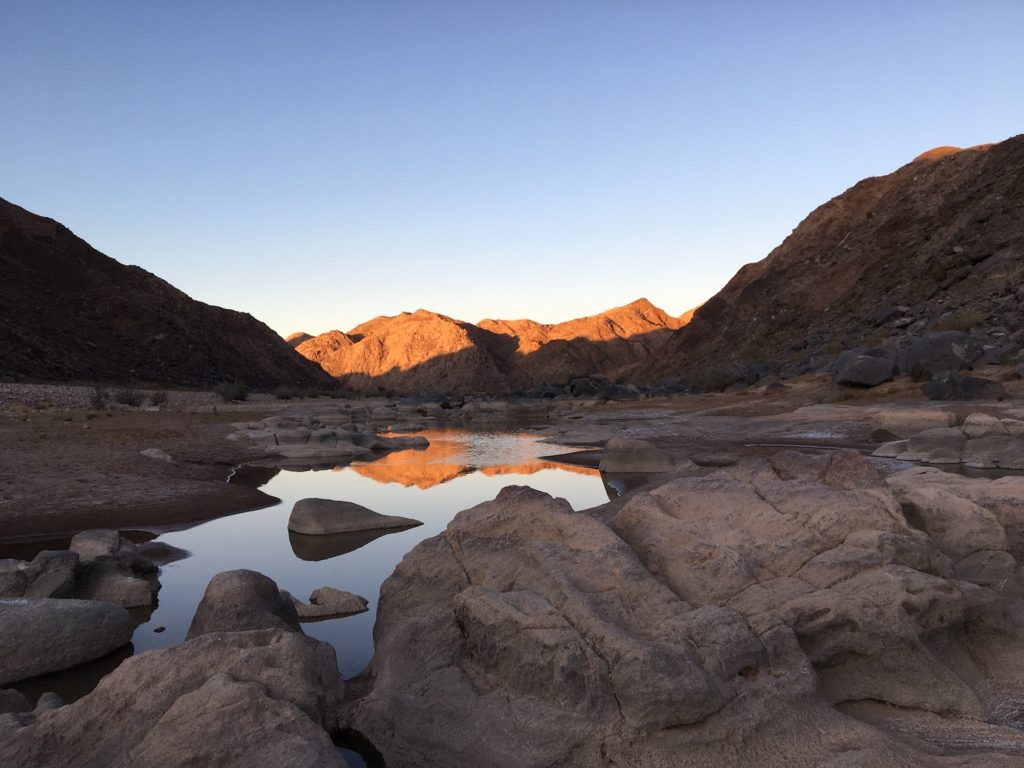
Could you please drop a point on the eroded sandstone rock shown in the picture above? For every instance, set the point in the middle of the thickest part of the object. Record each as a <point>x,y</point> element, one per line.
<point>721,619</point>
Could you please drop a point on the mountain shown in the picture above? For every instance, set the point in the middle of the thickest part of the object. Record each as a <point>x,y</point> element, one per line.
<point>69,313</point>
<point>939,243</point>
<point>426,352</point>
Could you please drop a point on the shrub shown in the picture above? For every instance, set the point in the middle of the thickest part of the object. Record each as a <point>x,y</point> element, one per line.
<point>99,398</point>
<point>960,321</point>
<point>231,392</point>
<point>158,398</point>
<point>128,396</point>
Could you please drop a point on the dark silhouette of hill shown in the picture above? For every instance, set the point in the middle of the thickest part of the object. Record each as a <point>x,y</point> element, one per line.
<point>69,313</point>
<point>939,241</point>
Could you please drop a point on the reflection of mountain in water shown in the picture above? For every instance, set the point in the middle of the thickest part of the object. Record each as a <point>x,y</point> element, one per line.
<point>453,453</point>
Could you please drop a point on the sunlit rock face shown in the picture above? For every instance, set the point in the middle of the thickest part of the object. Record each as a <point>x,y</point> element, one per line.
<point>779,612</point>
<point>426,352</point>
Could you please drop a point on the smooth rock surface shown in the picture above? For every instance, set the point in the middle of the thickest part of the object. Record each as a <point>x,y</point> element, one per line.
<point>314,517</point>
<point>624,455</point>
<point>242,600</point>
<point>41,635</point>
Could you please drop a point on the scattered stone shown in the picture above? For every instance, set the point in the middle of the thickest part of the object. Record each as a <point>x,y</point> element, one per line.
<point>158,454</point>
<point>238,601</point>
<point>324,516</point>
<point>41,635</point>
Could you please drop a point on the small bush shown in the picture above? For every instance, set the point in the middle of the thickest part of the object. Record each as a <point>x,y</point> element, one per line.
<point>232,392</point>
<point>960,321</point>
<point>99,398</point>
<point>158,398</point>
<point>288,392</point>
<point>128,396</point>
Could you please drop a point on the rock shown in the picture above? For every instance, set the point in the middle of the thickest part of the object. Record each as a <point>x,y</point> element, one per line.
<point>42,635</point>
<point>13,580</point>
<point>52,574</point>
<point>330,603</point>
<point>324,516</point>
<point>904,422</point>
<point>995,452</point>
<point>162,553</point>
<point>48,701</point>
<point>158,454</point>
<point>624,455</point>
<point>956,386</point>
<point>714,620</point>
<point>942,352</point>
<point>865,371</point>
<point>96,545</point>
<point>113,584</point>
<point>234,700</point>
<point>13,702</point>
<point>238,601</point>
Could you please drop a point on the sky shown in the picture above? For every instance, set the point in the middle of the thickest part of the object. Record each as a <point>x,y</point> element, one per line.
<point>317,164</point>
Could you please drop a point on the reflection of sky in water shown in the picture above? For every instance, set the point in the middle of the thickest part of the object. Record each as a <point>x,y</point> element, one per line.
<point>259,540</point>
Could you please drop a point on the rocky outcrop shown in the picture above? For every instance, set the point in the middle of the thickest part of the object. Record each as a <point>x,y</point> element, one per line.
<point>71,313</point>
<point>260,698</point>
<point>317,439</point>
<point>111,568</point>
<point>238,601</point>
<point>426,352</point>
<point>42,635</point>
<point>957,386</point>
<point>776,613</point>
<point>316,517</point>
<point>981,442</point>
<point>926,262</point>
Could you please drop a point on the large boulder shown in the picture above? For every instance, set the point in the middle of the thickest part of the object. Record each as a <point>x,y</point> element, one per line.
<point>41,635</point>
<point>957,386</point>
<point>234,700</point>
<point>238,601</point>
<point>622,455</point>
<point>941,352</point>
<point>865,371</point>
<point>325,516</point>
<point>111,568</point>
<point>714,620</point>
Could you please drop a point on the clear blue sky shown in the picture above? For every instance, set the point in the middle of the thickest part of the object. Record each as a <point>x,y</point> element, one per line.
<point>320,163</point>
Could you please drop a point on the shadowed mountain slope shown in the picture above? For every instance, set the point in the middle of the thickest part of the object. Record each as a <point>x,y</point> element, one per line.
<point>941,240</point>
<point>69,313</point>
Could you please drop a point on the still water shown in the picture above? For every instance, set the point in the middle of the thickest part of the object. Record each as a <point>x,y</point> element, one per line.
<point>458,470</point>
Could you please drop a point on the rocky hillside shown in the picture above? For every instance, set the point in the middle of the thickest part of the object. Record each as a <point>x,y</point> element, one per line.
<point>426,352</point>
<point>69,313</point>
<point>936,245</point>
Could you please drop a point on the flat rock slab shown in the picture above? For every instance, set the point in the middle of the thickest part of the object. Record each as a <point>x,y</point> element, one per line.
<point>325,516</point>
<point>41,635</point>
<point>330,603</point>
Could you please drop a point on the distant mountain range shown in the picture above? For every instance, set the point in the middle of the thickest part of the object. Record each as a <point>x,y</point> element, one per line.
<point>424,351</point>
<point>937,244</point>
<point>69,313</point>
